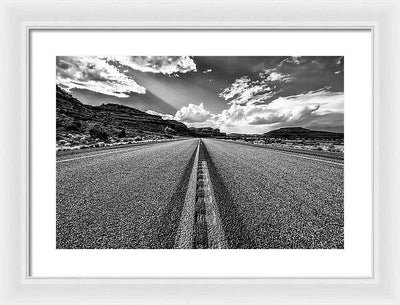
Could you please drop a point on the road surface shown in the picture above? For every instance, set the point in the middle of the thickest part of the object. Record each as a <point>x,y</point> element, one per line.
<point>273,199</point>
<point>171,194</point>
<point>122,198</point>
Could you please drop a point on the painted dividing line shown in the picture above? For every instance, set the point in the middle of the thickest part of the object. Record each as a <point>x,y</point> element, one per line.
<point>200,221</point>
<point>200,226</point>
<point>184,237</point>
<point>216,237</point>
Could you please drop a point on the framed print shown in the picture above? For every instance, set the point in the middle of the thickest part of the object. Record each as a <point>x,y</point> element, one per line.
<point>260,108</point>
<point>231,159</point>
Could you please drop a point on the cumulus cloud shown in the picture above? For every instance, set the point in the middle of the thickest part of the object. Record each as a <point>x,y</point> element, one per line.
<point>262,114</point>
<point>285,109</point>
<point>94,74</point>
<point>307,109</point>
<point>193,114</point>
<point>270,116</point>
<point>282,110</point>
<point>168,65</point>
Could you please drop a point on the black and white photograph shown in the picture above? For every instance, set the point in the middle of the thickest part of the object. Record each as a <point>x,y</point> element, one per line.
<point>199,152</point>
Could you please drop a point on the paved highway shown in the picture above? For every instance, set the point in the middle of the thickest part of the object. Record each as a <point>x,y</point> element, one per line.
<point>135,197</point>
<point>270,199</point>
<point>123,198</point>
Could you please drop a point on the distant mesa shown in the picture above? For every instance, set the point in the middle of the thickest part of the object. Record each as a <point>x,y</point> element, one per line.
<point>207,132</point>
<point>293,133</point>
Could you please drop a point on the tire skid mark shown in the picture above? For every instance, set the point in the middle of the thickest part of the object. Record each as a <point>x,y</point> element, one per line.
<point>171,219</point>
<point>236,233</point>
<point>184,237</point>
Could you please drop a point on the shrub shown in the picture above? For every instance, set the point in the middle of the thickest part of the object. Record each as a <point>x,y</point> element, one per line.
<point>74,126</point>
<point>96,132</point>
<point>122,134</point>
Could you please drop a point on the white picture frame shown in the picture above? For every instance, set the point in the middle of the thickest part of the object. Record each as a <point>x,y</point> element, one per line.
<point>18,18</point>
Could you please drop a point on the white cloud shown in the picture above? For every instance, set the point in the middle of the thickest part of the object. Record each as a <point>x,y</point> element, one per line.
<point>275,76</point>
<point>193,114</point>
<point>300,109</point>
<point>94,74</point>
<point>169,65</point>
<point>244,91</point>
<point>327,102</point>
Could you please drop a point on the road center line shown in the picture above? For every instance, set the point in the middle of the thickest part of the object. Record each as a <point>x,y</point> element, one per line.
<point>200,225</point>
<point>216,237</point>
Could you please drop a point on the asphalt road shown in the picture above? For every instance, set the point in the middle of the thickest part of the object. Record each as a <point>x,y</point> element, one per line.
<point>273,199</point>
<point>123,198</point>
<point>133,197</point>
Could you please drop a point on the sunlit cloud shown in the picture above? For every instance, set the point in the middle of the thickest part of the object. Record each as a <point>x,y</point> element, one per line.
<point>193,114</point>
<point>94,74</point>
<point>305,108</point>
<point>168,65</point>
<point>243,91</point>
<point>244,94</point>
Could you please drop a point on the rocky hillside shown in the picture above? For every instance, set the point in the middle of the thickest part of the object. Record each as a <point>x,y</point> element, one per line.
<point>293,133</point>
<point>80,124</point>
<point>74,116</point>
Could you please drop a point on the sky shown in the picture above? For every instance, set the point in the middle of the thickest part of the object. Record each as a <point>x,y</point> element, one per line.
<point>238,94</point>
